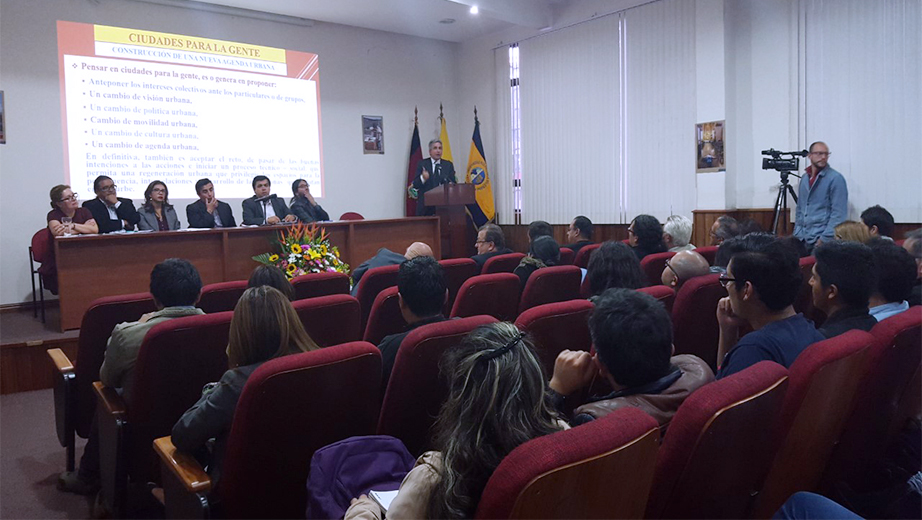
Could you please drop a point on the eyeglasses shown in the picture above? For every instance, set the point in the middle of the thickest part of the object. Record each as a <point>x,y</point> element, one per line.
<point>107,188</point>
<point>68,199</point>
<point>480,242</point>
<point>158,190</point>
<point>630,231</point>
<point>724,280</point>
<point>673,272</point>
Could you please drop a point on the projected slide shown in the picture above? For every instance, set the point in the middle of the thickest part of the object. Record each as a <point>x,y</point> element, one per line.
<point>141,105</point>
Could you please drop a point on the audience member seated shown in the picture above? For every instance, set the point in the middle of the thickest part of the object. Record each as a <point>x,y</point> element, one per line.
<point>738,244</point>
<point>421,294</point>
<point>646,236</point>
<point>175,285</point>
<point>879,222</point>
<point>157,214</point>
<point>682,267</point>
<point>797,245</point>
<point>303,204</point>
<point>111,213</point>
<point>497,400</point>
<point>913,244</point>
<point>724,228</point>
<point>579,233</point>
<point>265,326</point>
<point>539,228</point>
<point>271,276</point>
<point>614,265</point>
<point>542,252</point>
<point>79,221</point>
<point>896,274</point>
<point>677,232</point>
<point>762,283</point>
<point>208,211</point>
<point>853,232</point>
<point>263,208</point>
<point>843,278</point>
<point>384,257</point>
<point>749,225</point>
<point>490,242</point>
<point>632,335</point>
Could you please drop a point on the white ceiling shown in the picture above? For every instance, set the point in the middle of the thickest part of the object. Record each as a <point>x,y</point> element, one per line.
<point>414,17</point>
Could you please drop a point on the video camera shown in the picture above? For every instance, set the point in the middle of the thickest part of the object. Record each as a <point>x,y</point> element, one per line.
<point>788,164</point>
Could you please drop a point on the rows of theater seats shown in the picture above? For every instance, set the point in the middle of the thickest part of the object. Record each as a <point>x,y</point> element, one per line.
<point>804,429</point>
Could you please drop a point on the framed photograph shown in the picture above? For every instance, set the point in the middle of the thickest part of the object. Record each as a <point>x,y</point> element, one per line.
<point>709,150</point>
<point>2,119</point>
<point>373,134</point>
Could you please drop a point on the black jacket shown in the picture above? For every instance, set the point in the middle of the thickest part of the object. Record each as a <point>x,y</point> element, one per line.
<point>198,216</point>
<point>125,211</point>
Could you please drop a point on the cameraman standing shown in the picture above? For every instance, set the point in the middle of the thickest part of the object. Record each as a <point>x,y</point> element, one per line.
<point>822,202</point>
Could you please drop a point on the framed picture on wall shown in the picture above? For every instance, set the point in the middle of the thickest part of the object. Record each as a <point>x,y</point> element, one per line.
<point>2,119</point>
<point>709,150</point>
<point>373,134</point>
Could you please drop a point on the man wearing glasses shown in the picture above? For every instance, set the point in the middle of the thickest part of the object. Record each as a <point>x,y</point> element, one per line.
<point>112,213</point>
<point>822,200</point>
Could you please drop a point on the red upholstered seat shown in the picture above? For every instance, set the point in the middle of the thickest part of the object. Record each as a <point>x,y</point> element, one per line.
<point>177,358</point>
<point>351,215</point>
<point>502,263</point>
<point>716,453</point>
<point>557,283</point>
<point>495,295</point>
<point>222,296</point>
<point>822,384</point>
<point>41,250</point>
<point>330,320</point>
<point>566,256</point>
<point>653,265</point>
<point>804,301</point>
<point>708,252</point>
<point>385,318</point>
<point>289,408</point>
<point>661,293</point>
<point>374,281</point>
<point>584,289</point>
<point>602,469</point>
<point>694,318</point>
<point>74,398</point>
<point>892,363</point>
<point>554,327</point>
<point>320,284</point>
<point>582,257</point>
<point>457,271</point>
<point>415,390</point>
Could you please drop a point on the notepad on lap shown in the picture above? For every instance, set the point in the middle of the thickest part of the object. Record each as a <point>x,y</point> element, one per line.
<point>383,498</point>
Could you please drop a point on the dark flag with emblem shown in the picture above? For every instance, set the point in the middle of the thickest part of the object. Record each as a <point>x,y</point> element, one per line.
<point>483,211</point>
<point>416,155</point>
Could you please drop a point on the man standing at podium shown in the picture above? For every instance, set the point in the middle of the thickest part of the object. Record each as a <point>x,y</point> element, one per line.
<point>430,173</point>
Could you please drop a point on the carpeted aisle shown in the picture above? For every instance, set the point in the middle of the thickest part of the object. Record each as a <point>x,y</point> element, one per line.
<point>31,458</point>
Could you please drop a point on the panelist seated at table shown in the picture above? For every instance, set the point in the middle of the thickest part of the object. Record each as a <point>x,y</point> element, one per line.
<point>112,213</point>
<point>208,211</point>
<point>263,208</point>
<point>66,216</point>
<point>303,204</point>
<point>157,214</point>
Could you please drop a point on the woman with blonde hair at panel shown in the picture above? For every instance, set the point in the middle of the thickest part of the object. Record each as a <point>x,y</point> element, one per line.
<point>853,232</point>
<point>497,400</point>
<point>265,326</point>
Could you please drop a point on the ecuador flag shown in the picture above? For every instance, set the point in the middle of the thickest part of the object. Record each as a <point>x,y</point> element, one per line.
<point>484,210</point>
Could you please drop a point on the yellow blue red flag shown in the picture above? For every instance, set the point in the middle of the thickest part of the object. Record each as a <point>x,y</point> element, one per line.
<point>483,211</point>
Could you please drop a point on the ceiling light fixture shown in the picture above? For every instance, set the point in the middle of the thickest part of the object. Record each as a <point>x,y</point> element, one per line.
<point>474,9</point>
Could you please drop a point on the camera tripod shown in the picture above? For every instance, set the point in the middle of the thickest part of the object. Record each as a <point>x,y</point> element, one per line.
<point>781,203</point>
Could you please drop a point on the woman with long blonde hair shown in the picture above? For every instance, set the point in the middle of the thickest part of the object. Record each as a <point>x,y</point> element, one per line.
<point>852,231</point>
<point>265,326</point>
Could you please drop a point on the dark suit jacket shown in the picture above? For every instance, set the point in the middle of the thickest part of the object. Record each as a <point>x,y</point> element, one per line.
<point>125,211</point>
<point>447,175</point>
<point>383,257</point>
<point>198,215</point>
<point>482,259</point>
<point>305,212</point>
<point>576,246</point>
<point>253,214</point>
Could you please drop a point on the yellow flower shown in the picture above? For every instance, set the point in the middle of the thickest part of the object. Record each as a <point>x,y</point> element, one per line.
<point>273,258</point>
<point>323,249</point>
<point>315,255</point>
<point>296,248</point>
<point>292,268</point>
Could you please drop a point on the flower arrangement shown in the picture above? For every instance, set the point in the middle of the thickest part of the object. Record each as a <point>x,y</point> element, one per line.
<point>304,249</point>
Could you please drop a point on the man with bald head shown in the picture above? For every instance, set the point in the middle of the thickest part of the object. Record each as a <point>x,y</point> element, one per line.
<point>384,257</point>
<point>822,200</point>
<point>682,267</point>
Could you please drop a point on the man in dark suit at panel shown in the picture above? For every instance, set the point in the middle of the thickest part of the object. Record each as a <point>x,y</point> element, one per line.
<point>430,173</point>
<point>208,211</point>
<point>264,209</point>
<point>112,213</point>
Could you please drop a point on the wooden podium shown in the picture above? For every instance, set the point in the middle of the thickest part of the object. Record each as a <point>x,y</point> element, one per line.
<point>450,201</point>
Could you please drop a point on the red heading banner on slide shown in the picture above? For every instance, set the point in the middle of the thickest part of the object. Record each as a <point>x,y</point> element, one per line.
<point>141,105</point>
